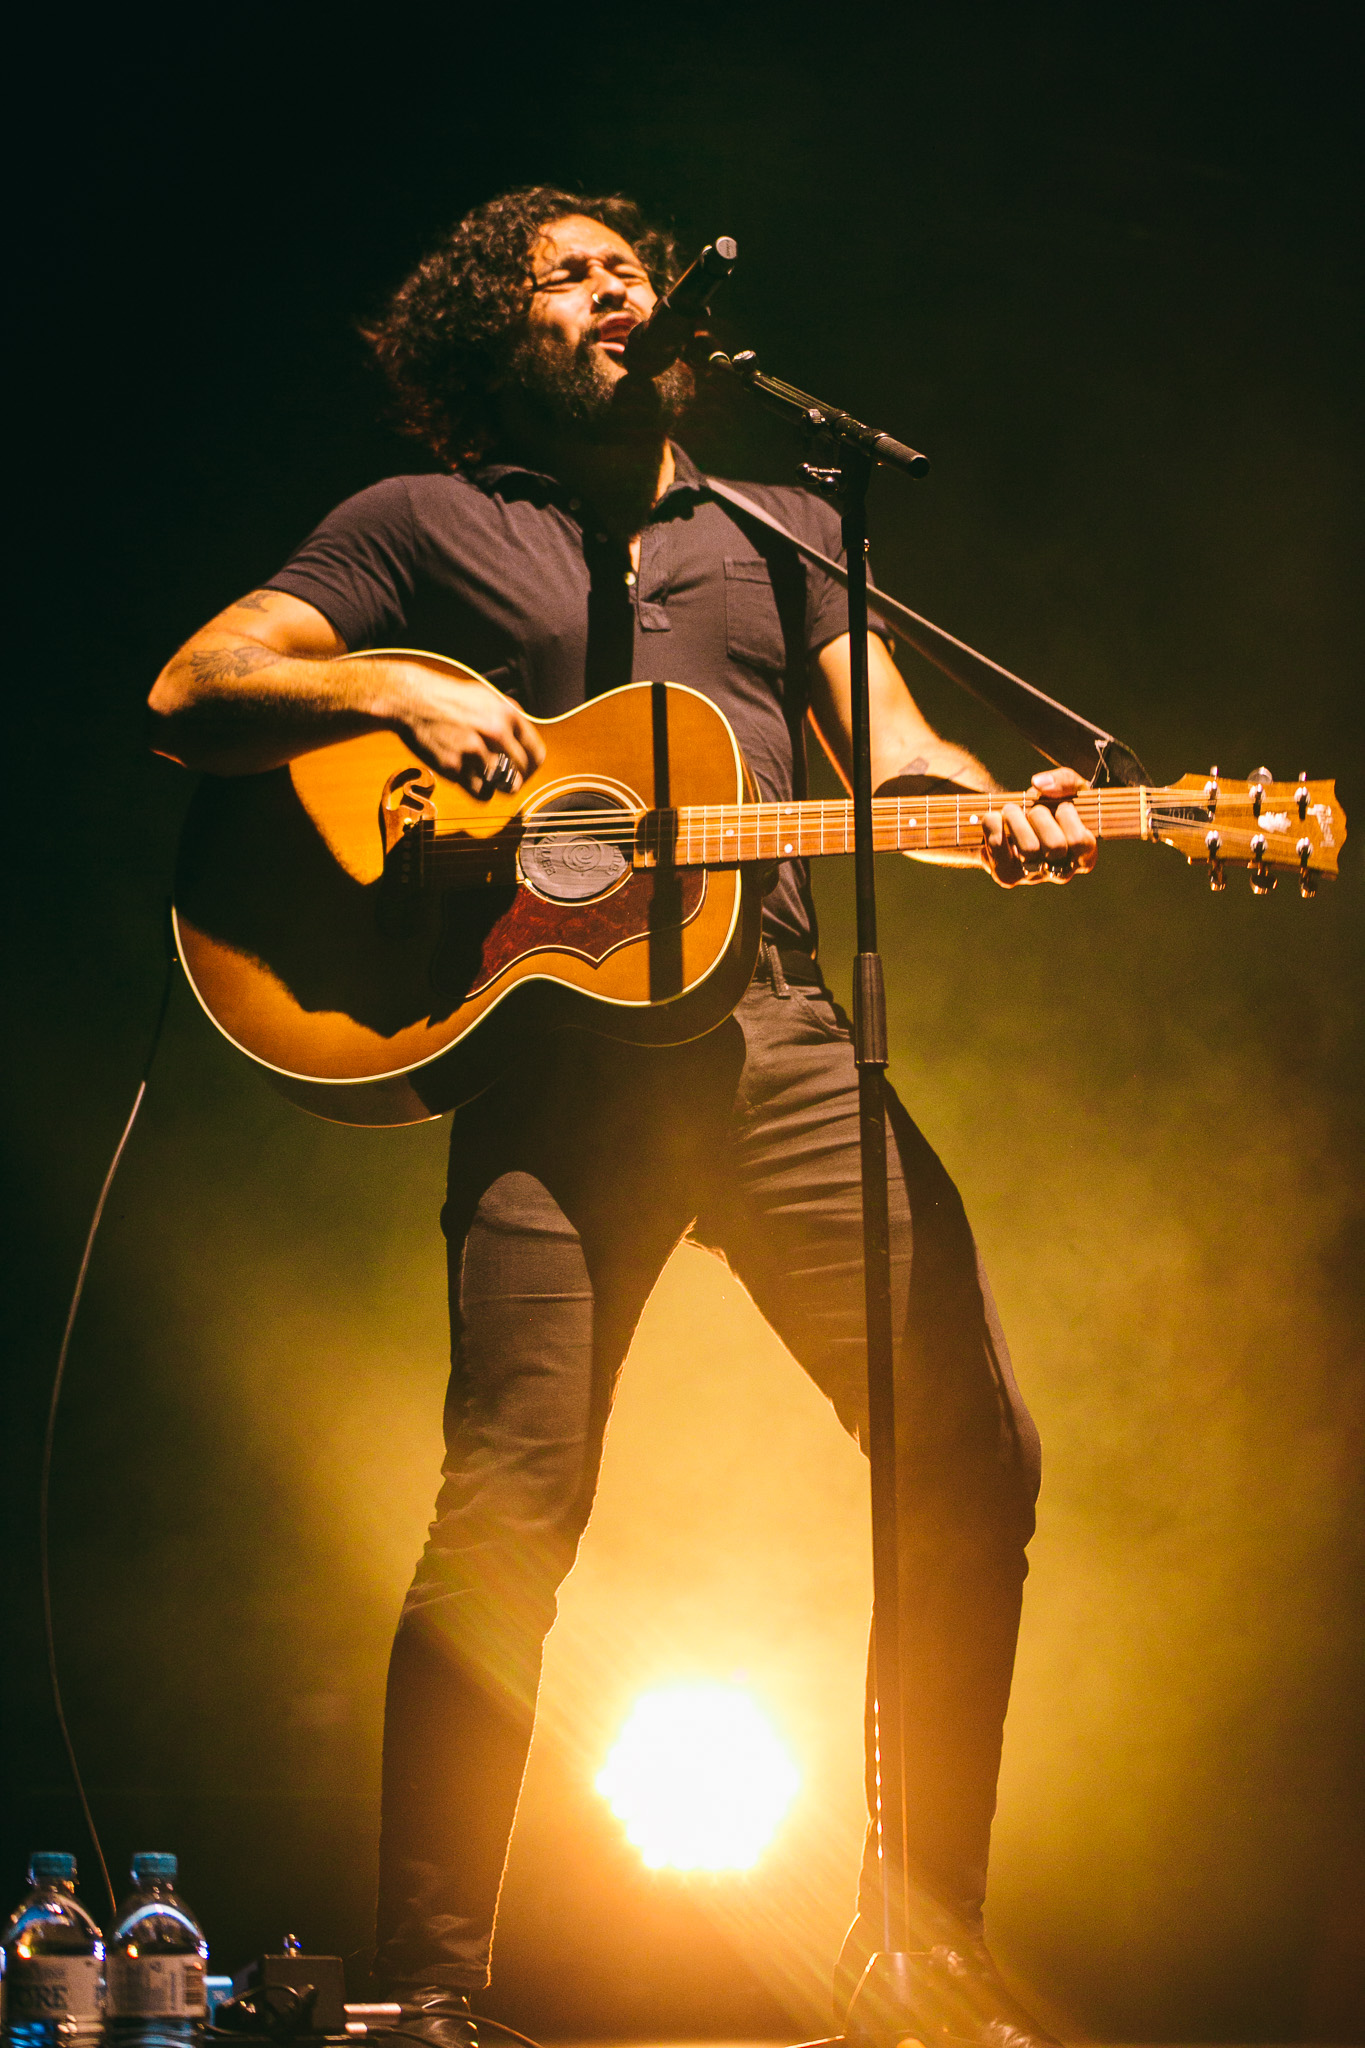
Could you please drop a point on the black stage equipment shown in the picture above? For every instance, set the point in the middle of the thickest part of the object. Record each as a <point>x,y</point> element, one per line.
<point>306,1993</point>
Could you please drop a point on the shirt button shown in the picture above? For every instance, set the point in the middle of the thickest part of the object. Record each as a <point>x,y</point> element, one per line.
<point>575,504</point>
<point>630,577</point>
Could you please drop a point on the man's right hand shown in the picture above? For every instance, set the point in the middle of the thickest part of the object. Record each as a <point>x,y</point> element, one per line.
<point>266,681</point>
<point>458,727</point>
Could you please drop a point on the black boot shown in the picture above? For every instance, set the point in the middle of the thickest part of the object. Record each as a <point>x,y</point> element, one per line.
<point>433,2016</point>
<point>956,1995</point>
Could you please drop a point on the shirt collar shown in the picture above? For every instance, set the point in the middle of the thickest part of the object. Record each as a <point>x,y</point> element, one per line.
<point>686,476</point>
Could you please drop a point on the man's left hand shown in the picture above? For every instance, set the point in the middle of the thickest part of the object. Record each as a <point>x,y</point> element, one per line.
<point>1045,843</point>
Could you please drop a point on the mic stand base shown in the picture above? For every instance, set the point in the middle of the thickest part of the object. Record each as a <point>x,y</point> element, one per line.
<point>881,2013</point>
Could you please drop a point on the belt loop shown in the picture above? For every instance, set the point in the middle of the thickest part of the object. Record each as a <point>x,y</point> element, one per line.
<point>775,974</point>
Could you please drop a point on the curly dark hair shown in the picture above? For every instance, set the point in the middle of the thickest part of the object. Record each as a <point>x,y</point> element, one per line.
<point>449,329</point>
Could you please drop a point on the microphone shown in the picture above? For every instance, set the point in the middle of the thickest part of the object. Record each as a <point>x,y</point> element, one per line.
<point>661,339</point>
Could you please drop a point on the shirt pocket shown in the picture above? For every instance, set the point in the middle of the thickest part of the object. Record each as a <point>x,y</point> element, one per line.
<point>753,629</point>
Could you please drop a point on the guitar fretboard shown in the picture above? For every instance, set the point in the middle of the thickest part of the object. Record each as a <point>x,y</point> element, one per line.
<point>724,835</point>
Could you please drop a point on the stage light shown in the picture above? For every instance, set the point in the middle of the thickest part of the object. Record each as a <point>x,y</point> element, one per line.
<point>700,1777</point>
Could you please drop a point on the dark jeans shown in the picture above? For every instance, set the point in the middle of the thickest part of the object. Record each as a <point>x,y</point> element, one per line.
<point>569,1187</point>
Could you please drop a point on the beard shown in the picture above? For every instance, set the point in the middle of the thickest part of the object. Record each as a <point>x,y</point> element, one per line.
<point>576,394</point>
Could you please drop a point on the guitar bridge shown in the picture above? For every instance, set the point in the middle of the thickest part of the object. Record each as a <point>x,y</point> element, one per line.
<point>407,820</point>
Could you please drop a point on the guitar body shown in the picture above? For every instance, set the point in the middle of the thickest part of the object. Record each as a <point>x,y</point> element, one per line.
<point>384,944</point>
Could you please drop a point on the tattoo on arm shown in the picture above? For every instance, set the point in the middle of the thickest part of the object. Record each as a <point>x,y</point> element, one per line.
<point>951,773</point>
<point>229,664</point>
<point>254,601</point>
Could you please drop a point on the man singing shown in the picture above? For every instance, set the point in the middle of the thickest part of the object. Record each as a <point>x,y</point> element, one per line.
<point>567,546</point>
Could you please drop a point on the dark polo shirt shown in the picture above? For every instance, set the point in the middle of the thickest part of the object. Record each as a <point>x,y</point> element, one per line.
<point>508,572</point>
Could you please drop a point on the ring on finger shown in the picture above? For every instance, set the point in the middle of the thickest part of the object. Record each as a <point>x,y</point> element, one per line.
<point>503,775</point>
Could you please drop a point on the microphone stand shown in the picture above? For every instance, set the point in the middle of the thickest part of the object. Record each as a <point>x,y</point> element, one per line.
<point>879,2015</point>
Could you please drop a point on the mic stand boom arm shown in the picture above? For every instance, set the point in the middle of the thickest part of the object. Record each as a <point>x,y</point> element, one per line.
<point>816,417</point>
<point>1060,734</point>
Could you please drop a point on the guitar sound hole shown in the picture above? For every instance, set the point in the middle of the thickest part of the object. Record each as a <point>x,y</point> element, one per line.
<point>585,853</point>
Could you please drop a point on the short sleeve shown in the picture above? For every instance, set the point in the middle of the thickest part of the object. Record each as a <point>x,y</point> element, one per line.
<point>358,567</point>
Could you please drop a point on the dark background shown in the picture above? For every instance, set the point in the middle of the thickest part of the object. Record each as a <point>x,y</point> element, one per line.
<point>1103,265</point>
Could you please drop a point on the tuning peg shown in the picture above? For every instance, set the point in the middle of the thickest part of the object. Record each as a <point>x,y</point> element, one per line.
<point>1261,775</point>
<point>1217,879</point>
<point>1301,793</point>
<point>1262,880</point>
<point>1308,883</point>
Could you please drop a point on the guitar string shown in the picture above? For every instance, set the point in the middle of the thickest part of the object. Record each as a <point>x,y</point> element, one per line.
<point>884,806</point>
<point>760,822</point>
<point>883,810</point>
<point>504,870</point>
<point>940,812</point>
<point>703,820</point>
<point>706,818</point>
<point>494,862</point>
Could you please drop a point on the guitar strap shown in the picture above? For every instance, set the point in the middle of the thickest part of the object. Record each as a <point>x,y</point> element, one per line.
<point>1059,734</point>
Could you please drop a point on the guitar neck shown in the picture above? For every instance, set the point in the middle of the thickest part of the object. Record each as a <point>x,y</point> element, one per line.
<point>726,835</point>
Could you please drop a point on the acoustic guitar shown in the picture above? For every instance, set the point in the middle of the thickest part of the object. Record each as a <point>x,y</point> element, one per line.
<point>383,943</point>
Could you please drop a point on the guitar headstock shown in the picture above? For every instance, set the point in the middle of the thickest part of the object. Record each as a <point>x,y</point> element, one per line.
<point>1275,828</point>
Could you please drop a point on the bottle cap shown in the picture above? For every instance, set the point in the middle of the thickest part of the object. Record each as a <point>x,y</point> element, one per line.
<point>154,1866</point>
<point>51,1866</point>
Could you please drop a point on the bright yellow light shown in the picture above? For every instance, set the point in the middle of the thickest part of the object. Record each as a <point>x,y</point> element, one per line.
<point>700,1777</point>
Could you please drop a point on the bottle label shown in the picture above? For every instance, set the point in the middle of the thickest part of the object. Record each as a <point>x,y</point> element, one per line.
<point>52,1988</point>
<point>156,1987</point>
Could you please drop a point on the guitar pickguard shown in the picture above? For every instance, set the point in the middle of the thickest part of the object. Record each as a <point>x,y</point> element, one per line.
<point>651,903</point>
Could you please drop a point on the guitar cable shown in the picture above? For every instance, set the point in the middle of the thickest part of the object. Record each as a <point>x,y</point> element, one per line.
<point>49,1434</point>
<point>45,1480</point>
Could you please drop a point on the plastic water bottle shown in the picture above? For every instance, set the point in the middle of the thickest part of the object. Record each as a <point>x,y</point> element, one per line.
<point>157,1954</point>
<point>53,1962</point>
